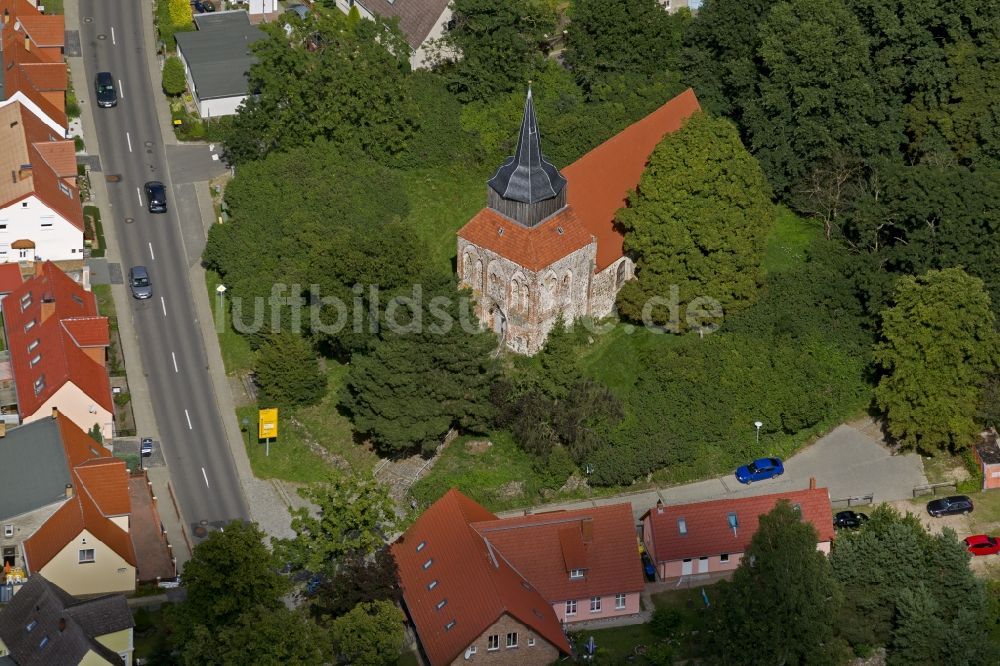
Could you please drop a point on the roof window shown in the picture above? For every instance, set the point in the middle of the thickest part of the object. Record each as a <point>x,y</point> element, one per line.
<point>441,604</point>
<point>43,642</point>
<point>682,526</point>
<point>34,361</point>
<point>450,625</point>
<point>39,384</point>
<point>428,563</point>
<point>431,585</point>
<point>32,345</point>
<point>30,325</point>
<point>32,625</point>
<point>421,546</point>
<point>733,520</point>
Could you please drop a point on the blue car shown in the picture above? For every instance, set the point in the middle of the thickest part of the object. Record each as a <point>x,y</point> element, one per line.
<point>759,470</point>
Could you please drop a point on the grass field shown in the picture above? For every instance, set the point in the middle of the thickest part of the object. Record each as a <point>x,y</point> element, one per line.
<point>236,353</point>
<point>789,240</point>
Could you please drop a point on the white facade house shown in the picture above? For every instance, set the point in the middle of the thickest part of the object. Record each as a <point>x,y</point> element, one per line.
<point>50,236</point>
<point>421,21</point>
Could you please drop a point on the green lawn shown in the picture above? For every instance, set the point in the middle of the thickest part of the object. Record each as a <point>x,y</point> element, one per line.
<point>149,633</point>
<point>615,358</point>
<point>291,457</point>
<point>986,517</point>
<point>236,353</point>
<point>788,241</point>
<point>53,6</point>
<point>441,202</point>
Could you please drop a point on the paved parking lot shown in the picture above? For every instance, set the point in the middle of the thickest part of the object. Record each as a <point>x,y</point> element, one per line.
<point>851,461</point>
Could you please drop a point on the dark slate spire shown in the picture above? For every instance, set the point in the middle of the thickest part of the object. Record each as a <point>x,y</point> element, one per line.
<point>527,176</point>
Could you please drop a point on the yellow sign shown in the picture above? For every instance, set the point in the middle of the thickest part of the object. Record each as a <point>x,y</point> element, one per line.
<point>267,424</point>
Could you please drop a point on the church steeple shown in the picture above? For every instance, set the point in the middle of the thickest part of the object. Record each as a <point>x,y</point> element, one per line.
<point>527,187</point>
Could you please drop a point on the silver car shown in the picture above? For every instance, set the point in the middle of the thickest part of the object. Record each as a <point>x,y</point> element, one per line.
<point>139,284</point>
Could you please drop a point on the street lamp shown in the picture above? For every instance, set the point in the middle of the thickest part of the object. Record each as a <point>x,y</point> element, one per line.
<point>246,426</point>
<point>758,424</point>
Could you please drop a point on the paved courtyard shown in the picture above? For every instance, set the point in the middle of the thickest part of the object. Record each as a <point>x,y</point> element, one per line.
<point>850,461</point>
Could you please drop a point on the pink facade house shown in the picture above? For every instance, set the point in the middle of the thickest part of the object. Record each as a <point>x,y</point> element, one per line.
<point>710,537</point>
<point>988,455</point>
<point>584,562</point>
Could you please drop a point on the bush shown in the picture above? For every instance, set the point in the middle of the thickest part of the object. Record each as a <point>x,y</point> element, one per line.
<point>173,80</point>
<point>78,144</point>
<point>180,13</point>
<point>665,621</point>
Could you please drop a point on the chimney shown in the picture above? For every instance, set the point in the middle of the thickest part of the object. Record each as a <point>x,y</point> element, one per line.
<point>659,506</point>
<point>69,490</point>
<point>27,43</point>
<point>55,412</point>
<point>3,429</point>
<point>6,16</point>
<point>812,483</point>
<point>48,307</point>
<point>62,624</point>
<point>587,529</point>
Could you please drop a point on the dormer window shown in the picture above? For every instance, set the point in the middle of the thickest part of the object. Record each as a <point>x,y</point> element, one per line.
<point>576,573</point>
<point>682,527</point>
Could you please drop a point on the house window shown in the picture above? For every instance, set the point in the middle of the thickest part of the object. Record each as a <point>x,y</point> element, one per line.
<point>472,649</point>
<point>531,642</point>
<point>64,189</point>
<point>571,607</point>
<point>512,639</point>
<point>86,555</point>
<point>595,604</point>
<point>620,601</point>
<point>576,573</point>
<point>493,642</point>
<point>8,530</point>
<point>724,557</point>
<point>3,226</point>
<point>682,526</point>
<point>46,225</point>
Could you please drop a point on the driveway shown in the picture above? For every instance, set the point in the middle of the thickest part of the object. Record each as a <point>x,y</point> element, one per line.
<point>850,461</point>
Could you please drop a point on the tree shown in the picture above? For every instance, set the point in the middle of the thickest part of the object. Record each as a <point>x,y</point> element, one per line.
<point>424,376</point>
<point>355,517</point>
<point>173,81</point>
<point>938,346</point>
<point>698,223</point>
<point>358,578</point>
<point>622,36</point>
<point>325,79</point>
<point>910,591</point>
<point>231,572</point>
<point>180,13</point>
<point>287,371</point>
<point>265,636</point>
<point>813,97</point>
<point>493,47</point>
<point>371,634</point>
<point>720,52</point>
<point>95,433</point>
<point>783,589</point>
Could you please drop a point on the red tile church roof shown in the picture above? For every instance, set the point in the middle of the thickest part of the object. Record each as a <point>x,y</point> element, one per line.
<point>531,247</point>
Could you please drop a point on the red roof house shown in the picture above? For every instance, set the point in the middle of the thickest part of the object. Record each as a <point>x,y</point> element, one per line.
<point>34,70</point>
<point>711,537</point>
<point>57,343</point>
<point>464,597</point>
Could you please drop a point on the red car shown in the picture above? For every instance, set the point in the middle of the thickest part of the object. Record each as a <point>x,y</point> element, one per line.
<point>980,544</point>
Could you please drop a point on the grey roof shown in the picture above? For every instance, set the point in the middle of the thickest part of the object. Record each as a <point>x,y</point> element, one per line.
<point>416,17</point>
<point>56,637</point>
<point>219,54</point>
<point>527,176</point>
<point>301,10</point>
<point>34,472</point>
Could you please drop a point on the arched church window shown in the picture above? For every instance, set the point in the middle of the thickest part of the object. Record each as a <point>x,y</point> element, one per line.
<point>515,294</point>
<point>620,274</point>
<point>566,289</point>
<point>468,269</point>
<point>477,278</point>
<point>496,288</point>
<point>548,292</point>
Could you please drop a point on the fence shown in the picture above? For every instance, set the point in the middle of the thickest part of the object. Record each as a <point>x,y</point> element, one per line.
<point>932,488</point>
<point>856,500</point>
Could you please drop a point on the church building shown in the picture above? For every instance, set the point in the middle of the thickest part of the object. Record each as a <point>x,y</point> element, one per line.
<point>546,245</point>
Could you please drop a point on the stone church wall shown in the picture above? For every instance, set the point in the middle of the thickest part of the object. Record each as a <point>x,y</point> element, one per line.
<point>606,285</point>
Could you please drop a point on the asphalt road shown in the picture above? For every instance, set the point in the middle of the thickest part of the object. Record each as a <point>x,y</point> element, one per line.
<point>191,432</point>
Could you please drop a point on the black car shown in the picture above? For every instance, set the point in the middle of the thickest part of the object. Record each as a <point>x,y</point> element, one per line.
<point>949,506</point>
<point>849,519</point>
<point>156,197</point>
<point>104,88</point>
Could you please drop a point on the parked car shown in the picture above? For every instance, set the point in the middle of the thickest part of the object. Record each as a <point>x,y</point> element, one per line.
<point>104,90</point>
<point>759,470</point>
<point>949,506</point>
<point>648,568</point>
<point>980,544</point>
<point>156,197</point>
<point>202,6</point>
<point>139,283</point>
<point>849,519</point>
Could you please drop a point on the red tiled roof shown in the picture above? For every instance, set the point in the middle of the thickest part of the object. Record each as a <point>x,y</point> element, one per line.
<point>59,359</point>
<point>44,29</point>
<point>479,586</point>
<point>88,331</point>
<point>600,181</point>
<point>707,523</point>
<point>545,547</point>
<point>531,247</point>
<point>10,277</point>
<point>100,490</point>
<point>46,76</point>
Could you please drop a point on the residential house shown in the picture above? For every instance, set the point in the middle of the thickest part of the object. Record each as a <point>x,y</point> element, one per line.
<point>217,60</point>
<point>711,537</point>
<point>584,562</point>
<point>547,246</point>
<point>64,509</point>
<point>421,21</point>
<point>57,344</point>
<point>43,625</point>
<point>41,217</point>
<point>34,72</point>
<point>466,601</point>
<point>988,454</point>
